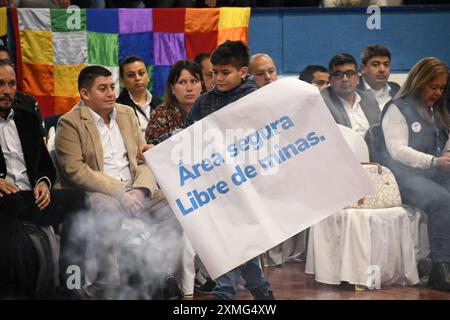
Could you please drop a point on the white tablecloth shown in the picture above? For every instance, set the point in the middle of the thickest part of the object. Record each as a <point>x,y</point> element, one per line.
<point>346,246</point>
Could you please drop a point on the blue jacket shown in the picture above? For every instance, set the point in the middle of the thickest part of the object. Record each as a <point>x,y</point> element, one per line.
<point>214,100</point>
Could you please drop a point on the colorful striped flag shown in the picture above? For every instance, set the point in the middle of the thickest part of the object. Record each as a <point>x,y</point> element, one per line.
<point>53,45</point>
<point>3,22</point>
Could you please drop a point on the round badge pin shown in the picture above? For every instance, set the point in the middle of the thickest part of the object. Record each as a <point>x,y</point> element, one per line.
<point>416,127</point>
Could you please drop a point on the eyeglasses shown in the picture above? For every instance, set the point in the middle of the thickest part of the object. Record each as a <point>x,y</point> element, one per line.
<point>340,74</point>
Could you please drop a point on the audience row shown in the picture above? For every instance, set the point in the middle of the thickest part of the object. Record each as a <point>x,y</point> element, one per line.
<point>99,146</point>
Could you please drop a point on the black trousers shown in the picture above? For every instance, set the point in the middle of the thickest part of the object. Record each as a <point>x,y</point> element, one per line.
<point>65,207</point>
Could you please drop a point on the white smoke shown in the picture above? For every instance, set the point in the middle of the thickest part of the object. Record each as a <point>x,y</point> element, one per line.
<point>149,249</point>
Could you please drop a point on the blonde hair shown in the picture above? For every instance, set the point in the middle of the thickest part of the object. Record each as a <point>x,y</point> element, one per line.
<point>424,72</point>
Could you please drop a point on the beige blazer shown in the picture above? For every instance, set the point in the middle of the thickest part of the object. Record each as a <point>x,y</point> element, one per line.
<point>79,152</point>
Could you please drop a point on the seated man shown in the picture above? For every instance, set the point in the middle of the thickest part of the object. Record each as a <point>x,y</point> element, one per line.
<point>349,107</point>
<point>316,75</point>
<point>375,70</point>
<point>262,68</point>
<point>26,179</point>
<point>203,60</point>
<point>97,144</point>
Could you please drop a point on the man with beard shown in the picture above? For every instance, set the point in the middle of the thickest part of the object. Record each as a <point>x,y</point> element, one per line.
<point>27,175</point>
<point>21,99</point>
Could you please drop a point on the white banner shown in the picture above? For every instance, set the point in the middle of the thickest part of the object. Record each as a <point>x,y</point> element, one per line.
<point>257,172</point>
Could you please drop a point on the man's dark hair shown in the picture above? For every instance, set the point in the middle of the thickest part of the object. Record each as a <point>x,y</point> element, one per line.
<point>128,60</point>
<point>5,49</point>
<point>341,59</point>
<point>4,62</point>
<point>307,74</point>
<point>200,57</point>
<point>231,52</point>
<point>87,76</point>
<point>373,51</point>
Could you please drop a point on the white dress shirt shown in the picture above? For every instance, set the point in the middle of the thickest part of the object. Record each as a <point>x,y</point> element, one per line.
<point>115,156</point>
<point>146,108</point>
<point>395,129</point>
<point>382,96</point>
<point>356,115</point>
<point>16,170</point>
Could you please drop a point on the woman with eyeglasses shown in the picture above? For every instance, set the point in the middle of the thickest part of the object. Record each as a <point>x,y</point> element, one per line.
<point>183,86</point>
<point>416,130</point>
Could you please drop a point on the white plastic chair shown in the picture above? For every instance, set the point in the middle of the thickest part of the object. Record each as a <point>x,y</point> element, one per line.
<point>356,143</point>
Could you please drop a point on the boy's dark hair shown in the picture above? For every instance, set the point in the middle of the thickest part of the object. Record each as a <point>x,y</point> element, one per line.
<point>128,60</point>
<point>88,75</point>
<point>340,59</point>
<point>231,52</point>
<point>373,51</point>
<point>200,57</point>
<point>307,74</point>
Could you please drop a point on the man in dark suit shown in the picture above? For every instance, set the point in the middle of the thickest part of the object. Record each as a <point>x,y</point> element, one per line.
<point>27,175</point>
<point>350,107</point>
<point>23,100</point>
<point>375,70</point>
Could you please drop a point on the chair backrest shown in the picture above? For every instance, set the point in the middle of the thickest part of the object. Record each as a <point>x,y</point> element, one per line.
<point>388,194</point>
<point>51,121</point>
<point>356,143</point>
<point>377,146</point>
<point>51,141</point>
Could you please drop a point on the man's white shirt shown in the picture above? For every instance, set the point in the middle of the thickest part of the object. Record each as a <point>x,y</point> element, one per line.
<point>382,96</point>
<point>16,169</point>
<point>115,156</point>
<point>355,113</point>
<point>16,172</point>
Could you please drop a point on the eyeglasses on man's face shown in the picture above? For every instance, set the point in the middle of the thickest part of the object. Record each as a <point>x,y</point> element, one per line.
<point>350,74</point>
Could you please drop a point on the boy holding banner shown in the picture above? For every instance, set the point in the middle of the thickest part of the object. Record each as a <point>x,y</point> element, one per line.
<point>230,67</point>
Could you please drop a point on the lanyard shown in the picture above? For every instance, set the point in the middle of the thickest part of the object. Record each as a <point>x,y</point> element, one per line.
<point>436,134</point>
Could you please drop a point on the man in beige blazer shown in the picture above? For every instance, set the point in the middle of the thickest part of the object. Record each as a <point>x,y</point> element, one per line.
<point>97,146</point>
